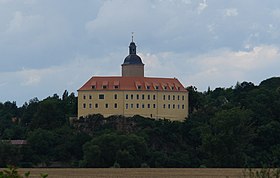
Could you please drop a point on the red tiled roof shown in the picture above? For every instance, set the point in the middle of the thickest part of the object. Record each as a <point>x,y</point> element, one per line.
<point>132,83</point>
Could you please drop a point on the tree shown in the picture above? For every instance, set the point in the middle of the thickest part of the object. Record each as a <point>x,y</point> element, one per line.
<point>49,115</point>
<point>105,150</point>
<point>42,143</point>
<point>227,138</point>
<point>9,154</point>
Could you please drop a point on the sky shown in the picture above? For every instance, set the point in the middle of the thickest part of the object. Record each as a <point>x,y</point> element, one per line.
<point>48,46</point>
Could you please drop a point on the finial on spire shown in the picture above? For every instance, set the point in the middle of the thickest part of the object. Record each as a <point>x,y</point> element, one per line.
<point>132,35</point>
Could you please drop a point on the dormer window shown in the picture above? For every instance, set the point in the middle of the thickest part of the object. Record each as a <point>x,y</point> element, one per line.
<point>171,87</point>
<point>116,84</point>
<point>93,85</point>
<point>138,85</point>
<point>156,87</point>
<point>105,85</point>
<point>148,86</point>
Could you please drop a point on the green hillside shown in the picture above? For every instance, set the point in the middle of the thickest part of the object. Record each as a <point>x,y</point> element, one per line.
<point>227,127</point>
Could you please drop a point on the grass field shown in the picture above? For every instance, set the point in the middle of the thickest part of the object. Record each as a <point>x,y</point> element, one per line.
<point>137,173</point>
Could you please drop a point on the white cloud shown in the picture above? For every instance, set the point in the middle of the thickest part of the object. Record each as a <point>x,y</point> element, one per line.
<point>231,12</point>
<point>224,67</point>
<point>22,23</point>
<point>204,43</point>
<point>276,13</point>
<point>219,68</point>
<point>202,6</point>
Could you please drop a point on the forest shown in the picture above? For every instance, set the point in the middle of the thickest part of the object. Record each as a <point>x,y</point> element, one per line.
<point>227,127</point>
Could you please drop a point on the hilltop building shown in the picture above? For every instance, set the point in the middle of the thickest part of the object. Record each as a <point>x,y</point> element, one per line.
<point>133,93</point>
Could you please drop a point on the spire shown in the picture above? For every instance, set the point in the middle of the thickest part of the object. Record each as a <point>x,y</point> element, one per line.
<point>132,46</point>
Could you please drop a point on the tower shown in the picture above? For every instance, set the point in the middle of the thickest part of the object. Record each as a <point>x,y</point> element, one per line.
<point>132,65</point>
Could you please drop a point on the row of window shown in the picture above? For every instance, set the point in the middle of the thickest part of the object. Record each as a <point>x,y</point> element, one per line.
<point>139,87</point>
<point>96,105</point>
<point>131,106</point>
<point>137,96</point>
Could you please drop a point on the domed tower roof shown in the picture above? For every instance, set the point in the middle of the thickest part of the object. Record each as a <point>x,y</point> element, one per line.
<point>132,65</point>
<point>132,58</point>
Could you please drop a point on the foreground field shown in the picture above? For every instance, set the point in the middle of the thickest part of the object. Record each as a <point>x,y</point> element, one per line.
<point>137,173</point>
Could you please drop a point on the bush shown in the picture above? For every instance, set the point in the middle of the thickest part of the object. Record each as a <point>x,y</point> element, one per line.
<point>12,172</point>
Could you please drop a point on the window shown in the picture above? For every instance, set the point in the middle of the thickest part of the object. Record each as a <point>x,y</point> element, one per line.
<point>183,97</point>
<point>165,87</point>
<point>168,106</point>
<point>90,105</point>
<point>104,86</point>
<point>84,97</point>
<point>156,87</point>
<point>168,97</point>
<point>126,96</point>
<point>178,106</point>
<point>137,105</point>
<point>84,105</point>
<point>90,97</point>
<point>96,105</point>
<point>101,96</point>
<point>115,105</point>
<point>106,105</point>
<point>172,88</point>
<point>131,105</point>
<point>116,87</point>
<point>126,106</point>
<point>178,88</point>
<point>178,97</point>
<point>183,106</point>
<point>154,105</point>
<point>154,97</point>
<point>149,97</point>
<point>116,96</point>
<point>173,97</point>
<point>93,87</point>
<point>143,97</point>
<point>137,96</point>
<point>139,87</point>
<point>143,105</point>
<point>163,105</point>
<point>148,106</point>
<point>163,97</point>
<point>148,87</point>
<point>173,106</point>
<point>131,97</point>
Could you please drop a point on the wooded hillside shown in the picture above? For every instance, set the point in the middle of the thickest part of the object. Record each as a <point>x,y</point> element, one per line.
<point>227,127</point>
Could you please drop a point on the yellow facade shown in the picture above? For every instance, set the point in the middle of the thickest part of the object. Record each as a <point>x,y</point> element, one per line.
<point>133,93</point>
<point>152,104</point>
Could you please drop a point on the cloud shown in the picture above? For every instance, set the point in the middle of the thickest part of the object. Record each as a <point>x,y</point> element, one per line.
<point>219,68</point>
<point>47,47</point>
<point>202,6</point>
<point>23,23</point>
<point>223,67</point>
<point>231,12</point>
<point>276,13</point>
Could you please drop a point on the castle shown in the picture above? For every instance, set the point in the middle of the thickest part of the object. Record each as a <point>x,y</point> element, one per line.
<point>133,93</point>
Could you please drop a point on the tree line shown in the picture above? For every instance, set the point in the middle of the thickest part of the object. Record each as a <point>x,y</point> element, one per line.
<point>227,127</point>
